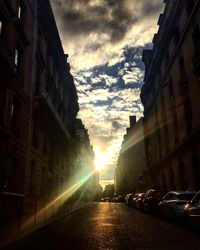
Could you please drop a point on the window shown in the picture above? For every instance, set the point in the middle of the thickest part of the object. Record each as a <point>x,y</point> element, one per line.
<point>188,113</point>
<point>176,34</point>
<point>18,56</point>
<point>171,91</point>
<point>163,113</point>
<point>172,179</point>
<point>164,182</point>
<point>19,12</point>
<point>11,178</point>
<point>182,176</point>
<point>49,185</point>
<point>156,117</point>
<point>176,130</point>
<point>183,75</point>
<point>0,27</point>
<point>190,5</point>
<point>35,134</point>
<point>2,102</point>
<point>196,44</point>
<point>38,81</point>
<point>45,143</point>
<point>196,172</point>
<point>7,173</point>
<point>43,181</point>
<point>32,177</point>
<point>166,133</point>
<point>16,116</point>
<point>159,142</point>
<point>167,58</point>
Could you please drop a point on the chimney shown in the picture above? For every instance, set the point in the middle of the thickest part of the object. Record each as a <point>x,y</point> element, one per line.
<point>132,120</point>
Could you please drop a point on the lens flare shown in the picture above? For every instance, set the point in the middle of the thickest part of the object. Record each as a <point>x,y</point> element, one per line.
<point>58,201</point>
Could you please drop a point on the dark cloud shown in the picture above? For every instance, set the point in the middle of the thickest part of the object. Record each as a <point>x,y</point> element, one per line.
<point>116,125</point>
<point>111,17</point>
<point>152,8</point>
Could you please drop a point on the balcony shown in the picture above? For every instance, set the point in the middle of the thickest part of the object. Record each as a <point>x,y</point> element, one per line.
<point>46,99</point>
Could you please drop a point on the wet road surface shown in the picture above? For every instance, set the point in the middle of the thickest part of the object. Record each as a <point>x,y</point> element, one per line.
<point>110,226</point>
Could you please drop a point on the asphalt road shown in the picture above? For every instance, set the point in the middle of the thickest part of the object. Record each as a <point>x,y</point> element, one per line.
<point>110,226</point>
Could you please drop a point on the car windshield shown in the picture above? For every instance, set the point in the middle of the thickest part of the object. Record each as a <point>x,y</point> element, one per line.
<point>187,196</point>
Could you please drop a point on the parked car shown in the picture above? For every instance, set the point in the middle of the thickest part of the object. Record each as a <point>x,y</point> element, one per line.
<point>120,199</point>
<point>128,199</point>
<point>139,201</point>
<point>134,199</point>
<point>151,199</point>
<point>192,211</point>
<point>173,204</point>
<point>138,198</point>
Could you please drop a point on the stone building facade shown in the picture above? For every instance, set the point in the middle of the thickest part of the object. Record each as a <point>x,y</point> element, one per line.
<point>170,97</point>
<point>39,147</point>
<point>130,173</point>
<point>16,55</point>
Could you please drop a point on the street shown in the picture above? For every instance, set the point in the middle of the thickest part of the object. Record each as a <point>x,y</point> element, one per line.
<point>110,226</point>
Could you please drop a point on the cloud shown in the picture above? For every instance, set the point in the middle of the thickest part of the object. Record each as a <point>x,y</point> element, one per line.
<point>105,40</point>
<point>96,31</point>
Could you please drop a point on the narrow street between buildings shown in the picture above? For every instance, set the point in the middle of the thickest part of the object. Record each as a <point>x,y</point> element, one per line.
<point>110,226</point>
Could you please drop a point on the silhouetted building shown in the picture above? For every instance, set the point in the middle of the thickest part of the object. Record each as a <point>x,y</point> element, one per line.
<point>38,109</point>
<point>85,162</point>
<point>16,56</point>
<point>170,97</point>
<point>131,172</point>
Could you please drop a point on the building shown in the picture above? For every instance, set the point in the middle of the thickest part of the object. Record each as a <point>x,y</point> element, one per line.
<point>52,156</point>
<point>39,149</point>
<point>130,174</point>
<point>16,53</point>
<point>85,163</point>
<point>170,97</point>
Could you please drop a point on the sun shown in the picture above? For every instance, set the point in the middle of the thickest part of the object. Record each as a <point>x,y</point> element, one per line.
<point>100,160</point>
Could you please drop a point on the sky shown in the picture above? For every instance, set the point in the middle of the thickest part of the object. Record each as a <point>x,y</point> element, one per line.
<point>105,40</point>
